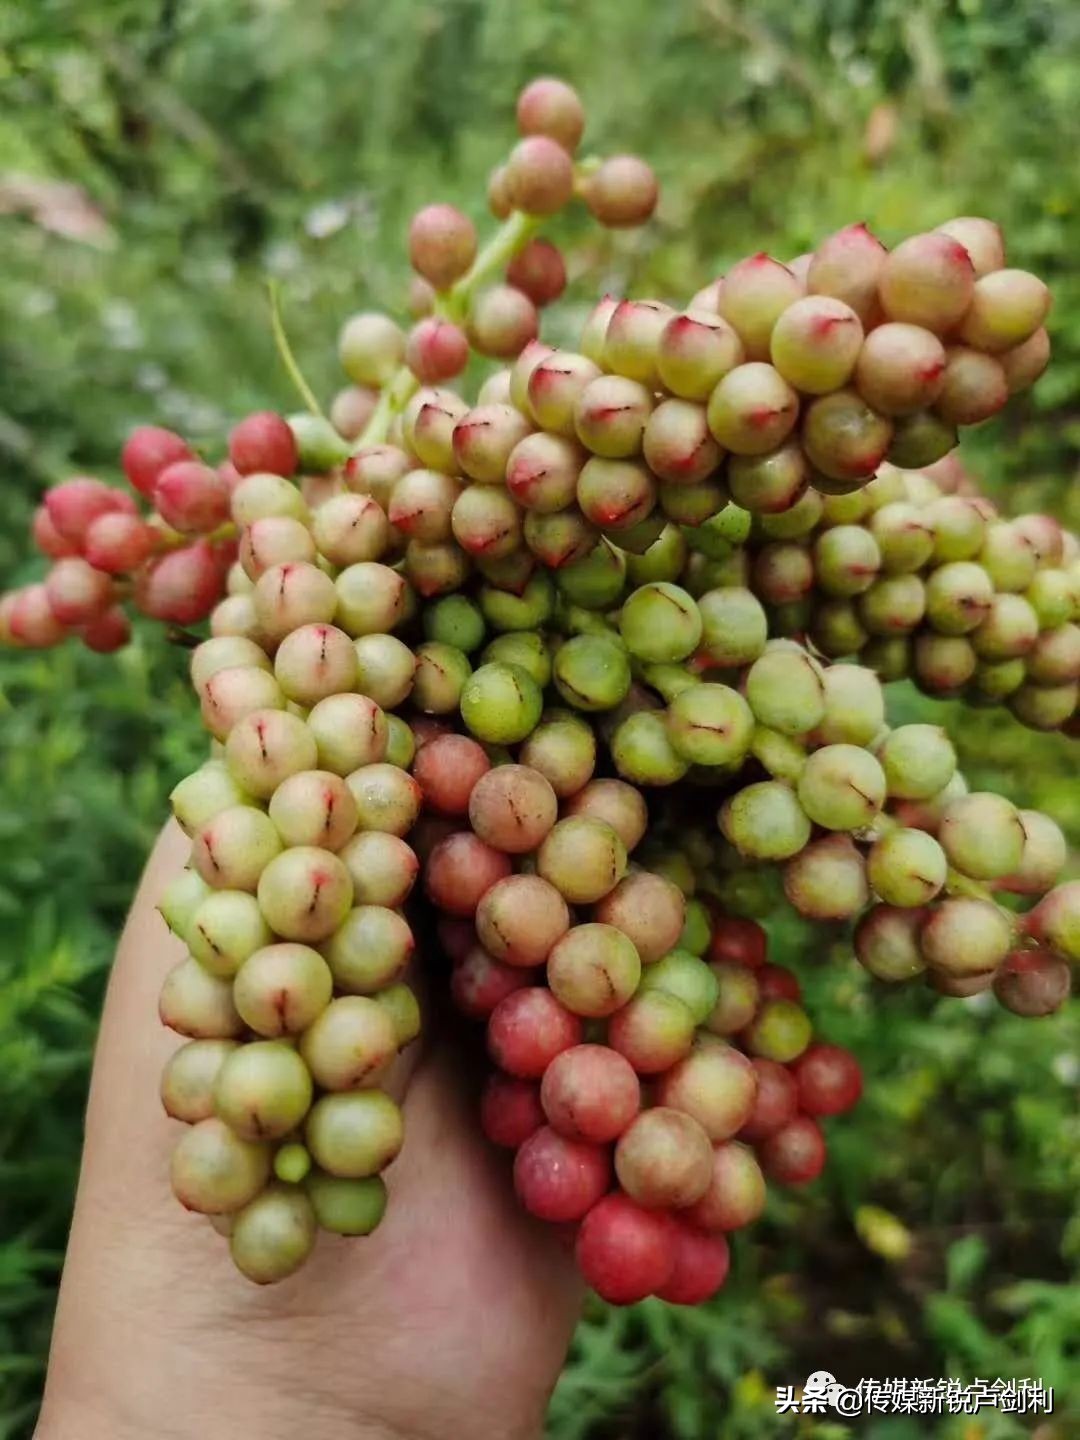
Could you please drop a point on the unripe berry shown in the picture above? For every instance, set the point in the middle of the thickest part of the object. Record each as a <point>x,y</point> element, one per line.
<point>887,942</point>
<point>351,409</point>
<point>736,1193</point>
<point>900,369</point>
<point>842,787</point>
<point>387,798</point>
<point>274,540</point>
<point>622,191</point>
<point>982,835</point>
<point>695,352</point>
<point>197,1004</point>
<point>501,704</point>
<point>187,1083</point>
<point>273,1235</point>
<point>231,694</point>
<point>1043,857</point>
<point>539,176</point>
<point>892,606</point>
<point>765,821</point>
<point>486,522</point>
<point>611,414</point>
<point>844,438</point>
<point>512,807</point>
<point>815,343</point>
<point>1024,363</point>
<point>590,1092</point>
<point>519,919</point>
<point>755,294</point>
<point>710,725</point>
<point>827,880</point>
<point>502,321</point>
<point>263,1090</point>
<point>593,970</point>
<point>847,265</point>
<point>370,348</point>
<point>370,600</point>
<point>262,495</point>
<point>715,1085</point>
<point>1056,920</point>
<point>653,1031</point>
<point>225,930</point>
<point>583,858</point>
<point>1007,308</point>
<point>442,244</point>
<point>907,867</point>
<point>621,805</point>
<point>296,594</point>
<point>265,747</point>
<point>974,387</point>
<point>1011,629</point>
<point>356,1134</point>
<point>928,280</point>
<point>664,1159</point>
<point>282,989</point>
<point>213,1171</point>
<point>375,469</point>
<point>752,410</point>
<point>964,937</point>
<point>305,893</point>
<point>350,1044</point>
<point>648,909</point>
<point>486,439</point>
<point>548,106</point>
<point>632,341</point>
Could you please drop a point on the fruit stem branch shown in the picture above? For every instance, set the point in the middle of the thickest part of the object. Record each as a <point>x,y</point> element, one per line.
<point>511,237</point>
<point>285,351</point>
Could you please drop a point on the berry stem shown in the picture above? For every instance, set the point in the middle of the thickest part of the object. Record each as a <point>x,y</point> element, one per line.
<point>285,351</point>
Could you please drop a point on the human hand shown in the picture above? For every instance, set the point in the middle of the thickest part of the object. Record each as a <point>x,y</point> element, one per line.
<point>453,1318</point>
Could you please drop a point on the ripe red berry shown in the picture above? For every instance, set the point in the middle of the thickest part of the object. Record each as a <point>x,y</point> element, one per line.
<point>558,1179</point>
<point>624,1251</point>
<point>263,443</point>
<point>775,1103</point>
<point>147,451</point>
<point>539,271</point>
<point>795,1154</point>
<point>446,769</point>
<point>829,1080</point>
<point>510,1110</point>
<point>702,1262</point>
<point>776,982</point>
<point>742,942</point>
<point>528,1029</point>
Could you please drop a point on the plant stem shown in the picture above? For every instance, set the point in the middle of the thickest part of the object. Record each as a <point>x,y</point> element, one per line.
<point>510,238</point>
<point>284,349</point>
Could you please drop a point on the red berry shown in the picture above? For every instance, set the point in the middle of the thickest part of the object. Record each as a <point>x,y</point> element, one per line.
<point>108,632</point>
<point>776,1101</point>
<point>146,453</point>
<point>479,983</point>
<point>539,271</point>
<point>436,350</point>
<point>742,942</point>
<point>446,769</point>
<point>794,1154</point>
<point>624,1251</point>
<point>776,982</point>
<point>457,937</point>
<point>47,537</point>
<point>460,871</point>
<point>510,1110</point>
<point>557,1179</point>
<point>118,543</point>
<point>263,443</point>
<point>76,504</point>
<point>182,587</point>
<point>192,497</point>
<point>528,1029</point>
<point>702,1262</point>
<point>829,1080</point>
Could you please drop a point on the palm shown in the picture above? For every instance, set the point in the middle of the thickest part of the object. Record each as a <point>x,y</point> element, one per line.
<point>458,1305</point>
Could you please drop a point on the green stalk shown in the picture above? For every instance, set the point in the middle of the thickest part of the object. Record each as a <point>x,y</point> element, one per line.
<point>285,351</point>
<point>510,238</point>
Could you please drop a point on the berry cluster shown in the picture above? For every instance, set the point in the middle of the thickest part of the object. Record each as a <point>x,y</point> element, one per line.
<point>466,660</point>
<point>641,1043</point>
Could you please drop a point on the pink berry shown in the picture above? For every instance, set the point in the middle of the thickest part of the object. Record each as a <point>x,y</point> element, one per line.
<point>442,244</point>
<point>181,587</point>
<point>624,1251</point>
<point>31,620</point>
<point>460,870</point>
<point>436,350</point>
<point>47,537</point>
<point>76,504</point>
<point>510,1110</point>
<point>77,592</point>
<point>539,271</point>
<point>106,632</point>
<point>742,942</point>
<point>479,983</point>
<point>622,191</point>
<point>590,1093</point>
<point>118,543</point>
<point>775,1103</point>
<point>146,453</point>
<point>528,1029</point>
<point>521,919</point>
<point>539,175</point>
<point>548,106</point>
<point>447,769</point>
<point>513,807</point>
<point>702,1262</point>
<point>664,1159</point>
<point>557,1179</point>
<point>191,497</point>
<point>715,1085</point>
<point>263,443</point>
<point>736,1193</point>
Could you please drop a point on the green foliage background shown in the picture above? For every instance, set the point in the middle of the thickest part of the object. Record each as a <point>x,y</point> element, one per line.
<point>216,142</point>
